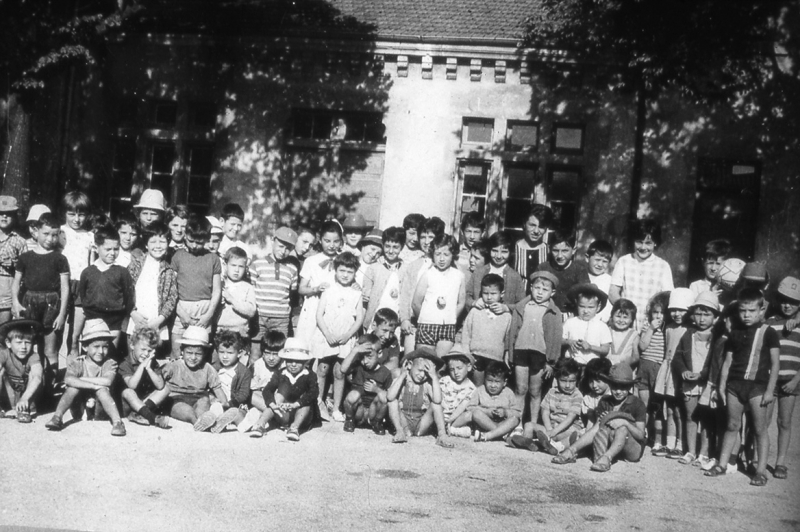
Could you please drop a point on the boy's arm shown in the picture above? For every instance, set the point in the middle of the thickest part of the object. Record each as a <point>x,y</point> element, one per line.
<point>397,385</point>
<point>564,425</point>
<point>132,381</point>
<point>62,311</point>
<point>220,395</point>
<point>34,384</point>
<point>436,396</point>
<point>614,293</point>
<point>544,408</point>
<point>646,336</point>
<point>775,358</point>
<point>245,306</point>
<point>419,294</point>
<point>460,409</point>
<point>16,307</point>
<point>213,303</point>
<point>353,355</point>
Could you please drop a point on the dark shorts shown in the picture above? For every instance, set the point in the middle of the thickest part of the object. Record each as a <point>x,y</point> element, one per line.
<point>481,363</point>
<point>779,393</point>
<point>75,293</point>
<point>430,334</point>
<point>646,375</point>
<point>42,307</point>
<point>744,391</point>
<point>190,400</point>
<point>535,361</point>
<point>112,319</point>
<point>270,323</point>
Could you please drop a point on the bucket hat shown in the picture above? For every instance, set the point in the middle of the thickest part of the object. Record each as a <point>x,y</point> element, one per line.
<point>151,199</point>
<point>194,335</point>
<point>295,349</point>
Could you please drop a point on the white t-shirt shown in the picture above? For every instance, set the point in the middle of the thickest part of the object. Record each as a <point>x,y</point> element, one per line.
<point>603,282</point>
<point>441,284</point>
<point>595,332</point>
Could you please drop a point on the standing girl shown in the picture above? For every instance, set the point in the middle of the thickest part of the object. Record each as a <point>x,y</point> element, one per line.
<point>316,276</point>
<point>651,347</point>
<point>177,216</point>
<point>624,340</point>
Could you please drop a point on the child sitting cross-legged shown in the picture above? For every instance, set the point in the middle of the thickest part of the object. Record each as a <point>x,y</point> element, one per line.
<point>263,369</point>
<point>235,378</point>
<point>20,369</point>
<point>619,432</point>
<point>91,375</point>
<point>457,389</point>
<point>366,402</point>
<point>415,398</point>
<point>142,377</point>
<point>493,409</point>
<point>597,388</point>
<point>291,394</point>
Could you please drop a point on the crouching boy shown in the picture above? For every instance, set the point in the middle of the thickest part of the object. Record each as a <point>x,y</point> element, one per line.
<point>366,402</point>
<point>91,375</point>
<point>619,431</point>
<point>142,377</point>
<point>20,369</point>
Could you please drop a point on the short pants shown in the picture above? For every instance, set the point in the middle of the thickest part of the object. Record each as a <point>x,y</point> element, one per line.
<point>186,399</point>
<point>5,292</point>
<point>745,390</point>
<point>75,293</point>
<point>534,360</point>
<point>42,307</point>
<point>431,334</point>
<point>647,373</point>
<point>271,323</point>
<point>780,393</point>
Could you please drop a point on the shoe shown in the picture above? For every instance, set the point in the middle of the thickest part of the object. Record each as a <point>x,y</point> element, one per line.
<point>338,416</point>
<point>759,480</point>
<point>258,432</point>
<point>674,454</point>
<point>222,422</point>
<point>697,462</point>
<point>249,421</point>
<point>118,429</point>
<point>205,422</point>
<point>378,428</point>
<point>521,442</point>
<point>544,443</point>
<point>323,412</point>
<point>478,436</point>
<point>707,463</point>
<point>55,424</point>
<point>292,434</point>
<point>686,459</point>
<point>349,425</point>
<point>780,472</point>
<point>573,438</point>
<point>659,450</point>
<point>461,432</point>
<point>567,457</point>
<point>716,471</point>
<point>138,419</point>
<point>25,417</point>
<point>162,422</point>
<point>601,466</point>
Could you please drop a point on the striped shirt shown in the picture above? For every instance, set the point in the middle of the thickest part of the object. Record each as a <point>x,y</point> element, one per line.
<point>561,405</point>
<point>655,350</point>
<point>790,348</point>
<point>273,281</point>
<point>527,258</point>
<point>748,363</point>
<point>641,280</point>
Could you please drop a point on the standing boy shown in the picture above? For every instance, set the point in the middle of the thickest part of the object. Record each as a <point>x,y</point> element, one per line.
<point>563,265</point>
<point>238,303</point>
<point>598,258</point>
<point>585,336</point>
<point>11,247</point>
<point>381,288</point>
<point>472,228</point>
<point>232,220</point>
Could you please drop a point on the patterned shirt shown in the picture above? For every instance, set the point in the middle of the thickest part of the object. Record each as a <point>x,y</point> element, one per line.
<point>273,282</point>
<point>656,347</point>
<point>641,280</point>
<point>10,250</point>
<point>790,348</point>
<point>562,405</point>
<point>453,393</point>
<point>527,258</point>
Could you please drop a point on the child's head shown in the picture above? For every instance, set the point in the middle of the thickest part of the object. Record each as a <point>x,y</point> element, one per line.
<point>177,217</point>
<point>492,286</point>
<point>412,224</point>
<point>106,240</point>
<point>235,264</point>
<point>330,238</point>
<point>98,220</point>
<point>595,372</point>
<point>230,347</point>
<point>354,228</point>
<point>478,255</point>
<point>295,354</point>
<point>371,246</point>
<point>705,310</point>
<point>232,218</point>
<point>459,363</point>
<point>562,248</point>
<point>8,212</point>
<point>283,242</point>
<point>715,254</point>
<point>193,346</point>
<point>370,359</point>
<point>442,251</point>
<point>750,303</point>
<point>646,238</point>
<point>543,286</point>
<point>620,379</point>
<point>76,206</point>
<point>156,240</point>
<point>538,220</point>
<point>788,297</point>
<point>306,238</point>
<point>420,361</point>
<point>345,266</point>
<point>567,373</point>
<point>500,245</point>
<point>657,307</point>
<point>96,340</point>
<point>495,377</point>
<point>588,300</point>
<point>197,234</point>
<point>432,228</point>
<point>680,300</point>
<point>271,345</point>
<point>215,236</point>
<point>32,221</point>
<point>393,239</point>
<point>151,207</point>
<point>143,343</point>
<point>599,256</point>
<point>385,324</point>
<point>472,227</point>
<point>623,315</point>
<point>128,231</point>
<point>47,231</point>
<point>20,336</point>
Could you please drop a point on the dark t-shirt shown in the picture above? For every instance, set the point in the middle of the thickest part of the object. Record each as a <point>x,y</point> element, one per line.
<point>744,366</point>
<point>381,376</point>
<point>575,273</point>
<point>632,405</point>
<point>41,272</point>
<point>195,274</point>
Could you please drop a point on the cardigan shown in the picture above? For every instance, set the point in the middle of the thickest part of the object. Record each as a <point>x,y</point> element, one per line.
<point>167,283</point>
<point>304,390</point>
<point>552,323</point>
<point>240,386</point>
<point>513,290</point>
<point>375,279</point>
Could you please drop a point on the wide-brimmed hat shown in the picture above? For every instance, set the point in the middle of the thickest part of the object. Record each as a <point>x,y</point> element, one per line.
<point>151,199</point>
<point>458,350</point>
<point>790,287</point>
<point>194,335</point>
<point>8,204</point>
<point>36,212</point>
<point>295,349</point>
<point>286,235</point>
<point>589,289</point>
<point>426,352</point>
<point>620,374</point>
<point>544,274</point>
<point>681,298</point>
<point>20,324</point>
<point>708,300</point>
<point>96,330</point>
<point>216,225</point>
<point>374,237</point>
<point>355,221</point>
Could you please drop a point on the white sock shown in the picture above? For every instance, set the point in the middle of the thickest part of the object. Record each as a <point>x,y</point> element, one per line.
<point>671,441</point>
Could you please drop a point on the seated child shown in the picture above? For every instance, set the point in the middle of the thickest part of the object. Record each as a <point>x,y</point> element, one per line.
<point>291,393</point>
<point>20,369</point>
<point>624,339</point>
<point>235,378</point>
<point>415,398</point>
<point>91,375</point>
<point>493,408</point>
<point>485,331</point>
<point>190,380</point>
<point>142,377</point>
<point>598,258</point>
<point>561,409</point>
<point>585,336</point>
<point>457,389</point>
<point>619,432</point>
<point>593,376</point>
<point>263,369</point>
<point>366,402</point>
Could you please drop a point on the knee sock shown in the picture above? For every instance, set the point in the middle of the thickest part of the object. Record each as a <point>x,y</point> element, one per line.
<point>148,414</point>
<point>150,404</point>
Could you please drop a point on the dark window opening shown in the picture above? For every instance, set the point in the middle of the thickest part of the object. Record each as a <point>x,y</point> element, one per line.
<point>477,131</point>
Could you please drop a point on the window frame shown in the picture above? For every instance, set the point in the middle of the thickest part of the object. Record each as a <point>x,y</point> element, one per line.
<point>555,150</point>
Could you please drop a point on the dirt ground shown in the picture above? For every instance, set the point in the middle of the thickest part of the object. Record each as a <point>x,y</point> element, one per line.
<point>84,479</point>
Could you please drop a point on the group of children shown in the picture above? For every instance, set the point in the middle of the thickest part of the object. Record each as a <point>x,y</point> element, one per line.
<point>163,314</point>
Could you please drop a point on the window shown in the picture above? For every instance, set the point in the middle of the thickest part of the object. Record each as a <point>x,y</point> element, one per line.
<point>522,136</point>
<point>128,111</point>
<point>568,139</point>
<point>521,182</point>
<point>563,193</point>
<point>165,113</point>
<point>477,131</point>
<point>199,161</point>
<point>202,114</point>
<point>351,126</point>
<point>474,186</point>
<point>123,167</point>
<point>162,167</point>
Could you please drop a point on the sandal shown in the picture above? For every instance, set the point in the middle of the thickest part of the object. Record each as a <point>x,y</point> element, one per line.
<point>567,457</point>
<point>445,443</point>
<point>478,436</point>
<point>602,465</point>
<point>25,417</point>
<point>292,434</point>
<point>687,458</point>
<point>759,480</point>
<point>716,471</point>
<point>780,471</point>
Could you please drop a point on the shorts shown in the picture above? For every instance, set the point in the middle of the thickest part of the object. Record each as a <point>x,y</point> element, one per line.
<point>272,323</point>
<point>647,373</point>
<point>744,391</point>
<point>431,334</point>
<point>5,292</point>
<point>42,307</point>
<point>186,399</point>
<point>779,393</point>
<point>112,319</point>
<point>75,293</point>
<point>534,360</point>
<point>481,363</point>
<point>194,309</point>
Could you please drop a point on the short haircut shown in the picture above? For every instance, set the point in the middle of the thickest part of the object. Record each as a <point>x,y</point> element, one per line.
<point>99,220</point>
<point>716,249</point>
<point>368,338</point>
<point>473,219</point>
<point>543,213</point>
<point>395,234</point>
<point>433,225</point>
<point>544,280</point>
<point>330,227</point>
<point>587,295</point>
<point>413,221</point>
<point>273,341</point>
<point>483,249</point>
<point>565,367</point>
<point>646,227</point>
<point>21,333</point>
<point>559,236</point>
<point>626,306</point>
<point>198,228</point>
<point>150,336</point>
<point>177,211</point>
<point>48,219</point>
<point>227,338</point>
<point>750,295</point>
<point>386,315</point>
<point>444,240</point>
<point>304,229</point>
<point>235,253</point>
<point>105,233</point>
<point>600,247</point>
<point>492,279</point>
<point>127,218</point>
<point>346,260</point>
<point>232,210</point>
<point>155,229</point>
<point>496,369</point>
<point>595,368</point>
<point>660,300</point>
<point>76,201</point>
<point>500,238</point>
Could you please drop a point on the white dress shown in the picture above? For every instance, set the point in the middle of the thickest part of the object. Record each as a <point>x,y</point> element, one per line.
<point>341,311</point>
<point>316,275</point>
